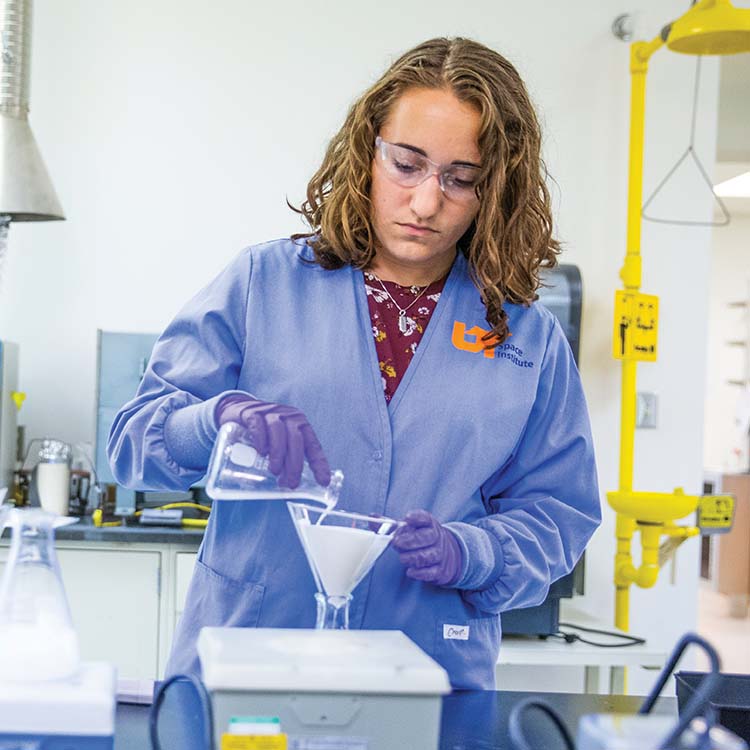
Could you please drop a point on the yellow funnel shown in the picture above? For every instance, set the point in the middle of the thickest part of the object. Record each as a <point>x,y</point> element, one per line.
<point>710,27</point>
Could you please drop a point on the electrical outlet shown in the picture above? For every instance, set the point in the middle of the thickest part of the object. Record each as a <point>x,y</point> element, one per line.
<point>646,405</point>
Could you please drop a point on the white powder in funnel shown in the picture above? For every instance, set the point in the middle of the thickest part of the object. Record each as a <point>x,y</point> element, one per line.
<point>342,555</point>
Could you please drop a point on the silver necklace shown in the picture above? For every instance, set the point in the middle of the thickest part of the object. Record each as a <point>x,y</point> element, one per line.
<point>402,325</point>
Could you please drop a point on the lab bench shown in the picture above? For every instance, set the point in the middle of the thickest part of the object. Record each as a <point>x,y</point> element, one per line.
<point>471,720</point>
<point>126,587</point>
<point>85,531</point>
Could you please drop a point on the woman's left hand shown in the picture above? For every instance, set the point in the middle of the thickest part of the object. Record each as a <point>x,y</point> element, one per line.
<point>429,550</point>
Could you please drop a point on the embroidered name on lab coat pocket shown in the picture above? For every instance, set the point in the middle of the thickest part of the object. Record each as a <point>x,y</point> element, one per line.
<point>456,632</point>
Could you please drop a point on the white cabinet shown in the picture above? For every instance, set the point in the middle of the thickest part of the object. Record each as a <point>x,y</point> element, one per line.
<point>176,575</point>
<point>114,602</point>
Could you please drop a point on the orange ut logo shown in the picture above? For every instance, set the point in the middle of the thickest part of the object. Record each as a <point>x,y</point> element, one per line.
<point>474,341</point>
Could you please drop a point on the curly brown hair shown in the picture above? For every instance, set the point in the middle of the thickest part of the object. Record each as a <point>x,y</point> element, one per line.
<point>511,236</point>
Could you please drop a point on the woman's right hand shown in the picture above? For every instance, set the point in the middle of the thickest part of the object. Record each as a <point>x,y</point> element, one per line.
<point>280,432</point>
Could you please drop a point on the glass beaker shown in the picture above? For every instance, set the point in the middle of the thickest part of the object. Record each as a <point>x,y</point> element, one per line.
<point>37,639</point>
<point>237,471</point>
<point>53,476</point>
<point>341,548</point>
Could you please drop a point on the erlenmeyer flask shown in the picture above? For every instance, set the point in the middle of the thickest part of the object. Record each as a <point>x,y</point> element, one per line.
<point>37,639</point>
<point>237,471</point>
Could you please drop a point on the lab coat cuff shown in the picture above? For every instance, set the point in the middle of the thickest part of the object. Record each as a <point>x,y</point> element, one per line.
<point>190,433</point>
<point>480,556</point>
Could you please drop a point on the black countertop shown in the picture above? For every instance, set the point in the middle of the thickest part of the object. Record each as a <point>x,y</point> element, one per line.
<point>85,531</point>
<point>471,720</point>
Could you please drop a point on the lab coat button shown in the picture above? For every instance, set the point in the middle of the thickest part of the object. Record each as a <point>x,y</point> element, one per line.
<point>377,455</point>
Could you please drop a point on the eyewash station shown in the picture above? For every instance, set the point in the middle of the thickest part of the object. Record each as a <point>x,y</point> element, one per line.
<point>710,27</point>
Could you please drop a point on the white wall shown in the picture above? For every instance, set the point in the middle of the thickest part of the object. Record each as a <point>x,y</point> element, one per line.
<point>174,130</point>
<point>729,283</point>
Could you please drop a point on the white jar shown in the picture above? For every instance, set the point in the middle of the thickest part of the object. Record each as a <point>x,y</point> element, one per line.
<point>53,476</point>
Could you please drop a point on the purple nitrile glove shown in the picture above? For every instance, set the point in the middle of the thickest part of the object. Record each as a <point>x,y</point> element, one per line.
<point>430,552</point>
<point>280,432</point>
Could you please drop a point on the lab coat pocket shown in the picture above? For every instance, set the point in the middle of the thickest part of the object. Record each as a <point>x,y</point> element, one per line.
<point>214,599</point>
<point>469,648</point>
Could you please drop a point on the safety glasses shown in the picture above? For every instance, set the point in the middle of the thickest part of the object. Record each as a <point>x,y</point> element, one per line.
<point>409,169</point>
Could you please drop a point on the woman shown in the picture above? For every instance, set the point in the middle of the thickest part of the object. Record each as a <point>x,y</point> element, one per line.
<point>399,341</point>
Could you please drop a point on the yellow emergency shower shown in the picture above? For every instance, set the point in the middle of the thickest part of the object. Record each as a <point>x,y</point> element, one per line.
<point>710,27</point>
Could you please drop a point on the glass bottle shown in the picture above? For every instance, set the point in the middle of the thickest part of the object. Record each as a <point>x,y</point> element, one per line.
<point>37,638</point>
<point>53,476</point>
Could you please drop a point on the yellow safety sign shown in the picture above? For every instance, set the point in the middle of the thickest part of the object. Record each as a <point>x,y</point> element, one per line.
<point>636,325</point>
<point>253,742</point>
<point>715,513</point>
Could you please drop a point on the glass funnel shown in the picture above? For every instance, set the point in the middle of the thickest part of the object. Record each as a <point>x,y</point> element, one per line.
<point>341,548</point>
<point>37,639</point>
<point>237,471</point>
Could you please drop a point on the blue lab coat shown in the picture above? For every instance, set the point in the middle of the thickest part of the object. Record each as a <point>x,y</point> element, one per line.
<point>497,444</point>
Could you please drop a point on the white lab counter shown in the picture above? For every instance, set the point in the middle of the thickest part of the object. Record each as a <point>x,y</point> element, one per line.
<point>603,668</point>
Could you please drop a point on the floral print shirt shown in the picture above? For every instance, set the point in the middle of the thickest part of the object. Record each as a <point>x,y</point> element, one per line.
<point>397,336</point>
